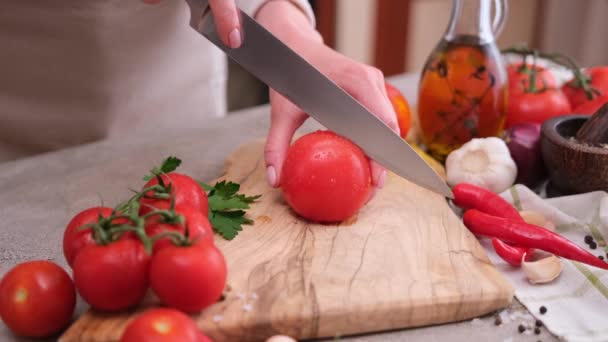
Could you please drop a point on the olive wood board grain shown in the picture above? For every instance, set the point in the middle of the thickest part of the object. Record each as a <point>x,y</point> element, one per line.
<point>405,260</point>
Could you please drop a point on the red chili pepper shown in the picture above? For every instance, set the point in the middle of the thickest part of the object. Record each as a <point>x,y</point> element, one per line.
<point>511,254</point>
<point>528,235</point>
<point>469,196</point>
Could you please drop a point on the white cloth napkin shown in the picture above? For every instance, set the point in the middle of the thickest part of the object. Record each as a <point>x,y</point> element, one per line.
<point>577,301</point>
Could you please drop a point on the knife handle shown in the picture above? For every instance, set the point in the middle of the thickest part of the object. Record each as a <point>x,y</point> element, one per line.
<point>198,9</point>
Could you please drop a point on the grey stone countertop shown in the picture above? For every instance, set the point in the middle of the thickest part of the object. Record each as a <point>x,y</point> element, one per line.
<point>40,192</point>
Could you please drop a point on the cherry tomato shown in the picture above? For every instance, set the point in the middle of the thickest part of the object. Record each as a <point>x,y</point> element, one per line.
<point>519,77</point>
<point>198,225</point>
<point>112,277</point>
<point>188,278</point>
<point>402,109</point>
<point>536,104</point>
<point>185,190</point>
<point>590,107</point>
<point>599,81</point>
<point>162,325</point>
<point>325,177</point>
<point>74,239</point>
<point>37,299</point>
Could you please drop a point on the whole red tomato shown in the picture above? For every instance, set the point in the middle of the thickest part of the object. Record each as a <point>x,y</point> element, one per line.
<point>188,278</point>
<point>162,325</point>
<point>401,107</point>
<point>74,239</point>
<point>185,190</point>
<point>533,103</point>
<point>599,81</point>
<point>590,107</point>
<point>112,277</point>
<point>37,299</point>
<point>519,77</point>
<point>325,177</point>
<point>198,225</point>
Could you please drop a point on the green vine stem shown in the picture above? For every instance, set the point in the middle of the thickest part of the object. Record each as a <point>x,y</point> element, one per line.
<point>581,80</point>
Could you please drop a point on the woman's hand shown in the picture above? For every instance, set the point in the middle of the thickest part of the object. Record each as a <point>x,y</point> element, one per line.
<point>364,83</point>
<point>227,21</point>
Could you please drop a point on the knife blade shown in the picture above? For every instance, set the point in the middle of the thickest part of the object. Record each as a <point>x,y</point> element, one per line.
<point>278,66</point>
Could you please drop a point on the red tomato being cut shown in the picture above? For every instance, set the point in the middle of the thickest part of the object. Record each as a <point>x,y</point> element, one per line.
<point>37,299</point>
<point>188,278</point>
<point>162,325</point>
<point>325,177</point>
<point>185,189</point>
<point>112,277</point>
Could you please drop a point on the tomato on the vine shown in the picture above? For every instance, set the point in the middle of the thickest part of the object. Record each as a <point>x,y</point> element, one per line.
<point>37,299</point>
<point>519,75</point>
<point>188,278</point>
<point>198,225</point>
<point>112,277</point>
<point>162,325</point>
<point>533,102</point>
<point>590,107</point>
<point>325,177</point>
<point>74,238</point>
<point>184,189</point>
<point>598,83</point>
<point>401,107</point>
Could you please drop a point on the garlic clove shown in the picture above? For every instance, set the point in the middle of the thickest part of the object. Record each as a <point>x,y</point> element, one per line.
<point>536,218</point>
<point>281,338</point>
<point>542,271</point>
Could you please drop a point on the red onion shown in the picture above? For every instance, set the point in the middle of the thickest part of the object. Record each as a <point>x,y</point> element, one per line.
<point>523,141</point>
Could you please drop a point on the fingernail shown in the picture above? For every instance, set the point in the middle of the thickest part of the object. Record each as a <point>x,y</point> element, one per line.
<point>235,38</point>
<point>382,179</point>
<point>271,176</point>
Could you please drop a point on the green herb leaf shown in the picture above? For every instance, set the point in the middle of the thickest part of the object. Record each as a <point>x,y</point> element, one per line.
<point>170,164</point>
<point>226,207</point>
<point>229,223</point>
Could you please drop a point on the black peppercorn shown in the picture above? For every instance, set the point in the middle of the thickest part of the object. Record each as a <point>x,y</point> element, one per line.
<point>497,320</point>
<point>593,245</point>
<point>539,323</point>
<point>537,331</point>
<point>588,239</point>
<point>521,328</point>
<point>601,257</point>
<point>543,310</point>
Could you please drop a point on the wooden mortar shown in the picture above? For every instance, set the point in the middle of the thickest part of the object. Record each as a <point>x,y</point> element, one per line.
<point>575,152</point>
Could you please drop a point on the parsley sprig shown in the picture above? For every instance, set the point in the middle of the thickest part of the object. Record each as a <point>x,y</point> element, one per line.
<point>227,208</point>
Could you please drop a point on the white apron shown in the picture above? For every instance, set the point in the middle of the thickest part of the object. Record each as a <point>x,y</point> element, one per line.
<point>77,71</point>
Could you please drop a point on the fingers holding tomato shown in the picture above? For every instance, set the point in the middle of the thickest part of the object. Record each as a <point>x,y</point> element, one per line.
<point>37,299</point>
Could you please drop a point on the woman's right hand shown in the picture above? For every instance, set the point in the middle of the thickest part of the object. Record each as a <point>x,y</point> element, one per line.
<point>227,21</point>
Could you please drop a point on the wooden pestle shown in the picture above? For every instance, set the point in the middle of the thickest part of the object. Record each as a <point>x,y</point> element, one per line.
<point>595,130</point>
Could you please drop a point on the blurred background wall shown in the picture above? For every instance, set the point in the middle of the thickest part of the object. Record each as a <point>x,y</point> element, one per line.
<point>398,35</point>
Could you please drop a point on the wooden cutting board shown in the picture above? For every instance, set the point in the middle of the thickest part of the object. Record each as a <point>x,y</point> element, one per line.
<point>406,260</point>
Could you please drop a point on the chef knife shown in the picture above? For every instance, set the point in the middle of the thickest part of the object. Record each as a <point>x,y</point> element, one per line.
<point>274,63</point>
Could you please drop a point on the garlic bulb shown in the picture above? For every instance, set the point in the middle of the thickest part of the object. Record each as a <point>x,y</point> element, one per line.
<point>485,162</point>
